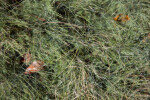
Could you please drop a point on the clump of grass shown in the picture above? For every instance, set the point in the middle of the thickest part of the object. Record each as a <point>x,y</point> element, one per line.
<point>87,54</point>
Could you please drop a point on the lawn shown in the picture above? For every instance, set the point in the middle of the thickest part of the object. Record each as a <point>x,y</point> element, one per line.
<point>87,54</point>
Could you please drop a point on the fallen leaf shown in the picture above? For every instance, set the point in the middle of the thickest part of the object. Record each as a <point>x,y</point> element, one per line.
<point>116,18</point>
<point>121,18</point>
<point>36,66</point>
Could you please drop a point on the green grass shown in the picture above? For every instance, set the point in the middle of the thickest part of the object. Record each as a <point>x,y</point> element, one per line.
<point>87,54</point>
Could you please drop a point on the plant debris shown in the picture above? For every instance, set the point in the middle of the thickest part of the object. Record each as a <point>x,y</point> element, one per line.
<point>121,18</point>
<point>36,66</point>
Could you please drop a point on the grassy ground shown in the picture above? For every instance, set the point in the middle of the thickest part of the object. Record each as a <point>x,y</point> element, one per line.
<point>87,54</point>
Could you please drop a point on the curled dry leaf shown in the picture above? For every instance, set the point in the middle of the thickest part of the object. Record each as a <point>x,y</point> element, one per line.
<point>26,58</point>
<point>36,66</point>
<point>121,18</point>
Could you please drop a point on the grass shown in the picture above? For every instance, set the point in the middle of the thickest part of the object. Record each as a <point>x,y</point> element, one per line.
<point>87,54</point>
